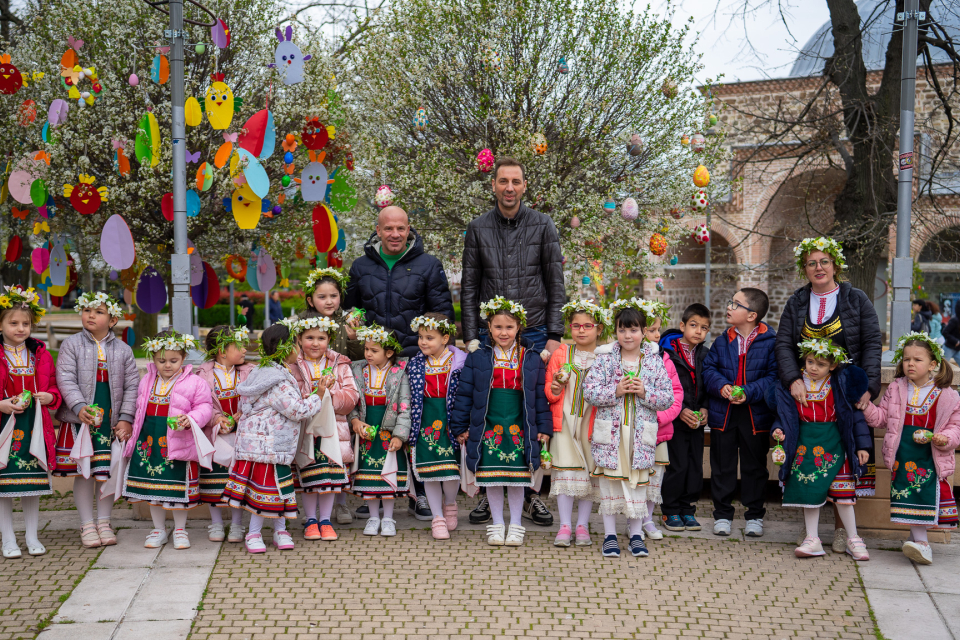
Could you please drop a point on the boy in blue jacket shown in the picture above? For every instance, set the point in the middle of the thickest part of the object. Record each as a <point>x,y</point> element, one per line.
<point>739,369</point>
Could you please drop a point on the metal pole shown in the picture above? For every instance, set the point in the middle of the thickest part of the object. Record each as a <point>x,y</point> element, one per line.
<point>903,263</point>
<point>706,266</point>
<point>179,261</point>
<point>232,310</point>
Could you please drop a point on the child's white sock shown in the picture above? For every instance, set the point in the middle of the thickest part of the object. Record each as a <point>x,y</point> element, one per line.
<point>31,518</point>
<point>180,519</point>
<point>279,524</point>
<point>811,519</point>
<point>565,507</point>
<point>83,492</point>
<point>450,490</point>
<point>325,502</point>
<point>650,505</point>
<point>256,523</point>
<point>309,504</point>
<point>584,509</point>
<point>635,526</point>
<point>159,517</point>
<point>387,508</point>
<point>341,498</point>
<point>6,523</point>
<point>434,497</point>
<point>849,519</point>
<point>236,516</point>
<point>919,534</point>
<point>609,524</point>
<point>104,508</point>
<point>515,498</point>
<point>215,516</point>
<point>495,497</point>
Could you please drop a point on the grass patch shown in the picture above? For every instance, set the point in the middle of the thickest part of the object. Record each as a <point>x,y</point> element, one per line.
<point>873,617</point>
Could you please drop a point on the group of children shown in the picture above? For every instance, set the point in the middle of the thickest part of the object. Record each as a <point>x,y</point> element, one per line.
<point>620,424</point>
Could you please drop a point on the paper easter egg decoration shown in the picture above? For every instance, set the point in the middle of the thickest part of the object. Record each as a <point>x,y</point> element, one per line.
<point>39,260</point>
<point>204,177</point>
<point>699,202</point>
<point>121,163</point>
<point>658,244</point>
<point>147,142</point>
<point>677,213</point>
<point>38,192</point>
<point>629,209</point>
<point>55,290</point>
<point>196,268</point>
<point>635,145</point>
<point>14,249</point>
<point>219,103</point>
<point>27,171</point>
<point>334,259</point>
<point>701,234</point>
<point>420,120</point>
<point>574,222</point>
<point>698,142</point>
<point>10,78</point>
<point>325,230</point>
<point>609,206</point>
<point>58,265</point>
<point>669,88</point>
<point>129,336</point>
<point>491,59</point>
<point>562,65</point>
<point>341,240</point>
<point>27,114</point>
<point>253,172</point>
<point>658,283</point>
<point>193,203</point>
<point>207,293</point>
<point>259,136</point>
<point>701,177</point>
<point>313,179</point>
<point>166,206</point>
<point>151,291</point>
<point>684,139</point>
<point>288,59</point>
<point>57,113</point>
<point>246,207</point>
<point>315,135</point>
<point>712,120</point>
<point>116,243</point>
<point>343,197</point>
<point>485,161</point>
<point>674,259</point>
<point>192,113</point>
<point>220,34</point>
<point>84,197</point>
<point>539,143</point>
<point>383,197</point>
<point>266,270</point>
<point>160,69</point>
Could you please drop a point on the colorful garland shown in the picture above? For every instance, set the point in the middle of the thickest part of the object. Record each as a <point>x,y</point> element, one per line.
<point>824,348</point>
<point>935,348</point>
<point>319,322</point>
<point>18,298</point>
<point>376,333</point>
<point>498,304</point>
<point>91,300</point>
<point>325,272</point>
<point>445,327</point>
<point>828,246</point>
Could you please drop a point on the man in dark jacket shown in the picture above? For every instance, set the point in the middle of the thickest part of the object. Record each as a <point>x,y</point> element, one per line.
<point>513,251</point>
<point>246,311</point>
<point>951,338</point>
<point>274,308</point>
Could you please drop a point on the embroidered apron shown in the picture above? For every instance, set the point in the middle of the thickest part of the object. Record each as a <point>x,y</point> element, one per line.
<point>914,489</point>
<point>24,475</point>
<point>368,481</point>
<point>820,454</point>
<point>433,458</point>
<point>502,462</point>
<point>101,436</point>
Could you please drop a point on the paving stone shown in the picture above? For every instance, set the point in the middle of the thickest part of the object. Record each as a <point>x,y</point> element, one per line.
<point>157,630</point>
<point>949,606</point>
<point>943,576</point>
<point>78,631</point>
<point>102,595</point>
<point>170,593</point>
<point>129,551</point>
<point>890,570</point>
<point>902,614</point>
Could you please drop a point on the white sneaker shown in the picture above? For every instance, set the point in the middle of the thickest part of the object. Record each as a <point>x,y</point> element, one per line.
<point>215,532</point>
<point>495,535</point>
<point>342,514</point>
<point>180,539</point>
<point>651,531</point>
<point>236,533</point>
<point>515,535</point>
<point>919,552</point>
<point>388,527</point>
<point>36,548</point>
<point>373,526</point>
<point>12,551</point>
<point>156,539</point>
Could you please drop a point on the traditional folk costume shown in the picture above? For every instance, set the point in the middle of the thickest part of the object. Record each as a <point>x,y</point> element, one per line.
<point>570,445</point>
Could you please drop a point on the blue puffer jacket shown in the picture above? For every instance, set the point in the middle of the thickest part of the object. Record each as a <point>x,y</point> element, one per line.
<point>394,297</point>
<point>720,369</point>
<point>847,383</point>
<point>470,408</point>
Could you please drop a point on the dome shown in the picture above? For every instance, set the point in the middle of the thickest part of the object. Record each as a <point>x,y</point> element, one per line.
<point>877,16</point>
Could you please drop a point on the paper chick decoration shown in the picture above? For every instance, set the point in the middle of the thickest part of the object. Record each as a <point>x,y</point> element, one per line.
<point>246,207</point>
<point>219,103</point>
<point>10,78</point>
<point>288,59</point>
<point>84,197</point>
<point>313,179</point>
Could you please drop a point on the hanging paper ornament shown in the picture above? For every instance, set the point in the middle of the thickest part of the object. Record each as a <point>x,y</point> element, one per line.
<point>220,34</point>
<point>196,264</point>
<point>121,163</point>
<point>341,240</point>
<point>288,59</point>
<point>701,177</point>
<point>193,203</point>
<point>325,230</point>
<point>699,201</point>
<point>348,159</point>
<point>129,336</point>
<point>193,114</point>
<point>236,267</point>
<point>383,197</point>
<point>674,259</point>
<point>204,177</point>
<point>698,142</point>
<point>219,103</point>
<point>84,197</point>
<point>491,59</point>
<point>669,89</point>
<point>713,120</point>
<point>166,206</point>
<point>313,179</point>
<point>420,120</point>
<point>266,270</point>
<point>147,143</point>
<point>116,243</point>
<point>253,172</point>
<point>259,136</point>
<point>629,210</point>
<point>658,244</point>
<point>246,207</point>
<point>58,265</point>
<point>57,113</point>
<point>334,259</point>
<point>315,135</point>
<point>574,222</point>
<point>10,78</point>
<point>207,292</point>
<point>658,283</point>
<point>485,161</point>
<point>14,248</point>
<point>635,145</point>
<point>160,69</point>
<point>701,234</point>
<point>133,80</point>
<point>562,65</point>
<point>40,259</point>
<point>539,144</point>
<point>684,139</point>
<point>609,205</point>
<point>200,49</point>
<point>27,113</point>
<point>38,192</point>
<point>343,197</point>
<point>151,291</point>
<point>677,213</point>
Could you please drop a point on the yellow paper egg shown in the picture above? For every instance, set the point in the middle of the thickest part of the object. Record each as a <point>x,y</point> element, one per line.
<point>701,177</point>
<point>191,112</point>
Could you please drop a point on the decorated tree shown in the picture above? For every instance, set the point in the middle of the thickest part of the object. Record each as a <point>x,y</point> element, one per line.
<point>593,99</point>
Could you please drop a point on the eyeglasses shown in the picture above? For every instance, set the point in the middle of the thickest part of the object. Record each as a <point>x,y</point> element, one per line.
<point>587,326</point>
<point>733,304</point>
<point>824,262</point>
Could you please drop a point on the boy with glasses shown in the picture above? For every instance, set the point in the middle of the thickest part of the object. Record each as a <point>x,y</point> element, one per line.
<point>737,372</point>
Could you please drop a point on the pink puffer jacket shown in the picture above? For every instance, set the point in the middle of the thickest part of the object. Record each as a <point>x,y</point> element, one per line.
<point>190,396</point>
<point>205,373</point>
<point>665,418</point>
<point>892,412</point>
<point>344,394</point>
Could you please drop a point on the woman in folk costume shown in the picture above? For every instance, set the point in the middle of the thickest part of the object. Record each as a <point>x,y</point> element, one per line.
<point>224,370</point>
<point>572,460</point>
<point>434,375</point>
<point>27,440</point>
<point>381,421</point>
<point>324,370</point>
<point>97,377</point>
<point>628,386</point>
<point>166,445</point>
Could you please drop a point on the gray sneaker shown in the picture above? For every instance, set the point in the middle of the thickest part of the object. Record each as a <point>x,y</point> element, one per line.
<point>754,528</point>
<point>721,527</point>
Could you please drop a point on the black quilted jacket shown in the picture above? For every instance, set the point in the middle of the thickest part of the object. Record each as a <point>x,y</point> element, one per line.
<point>519,259</point>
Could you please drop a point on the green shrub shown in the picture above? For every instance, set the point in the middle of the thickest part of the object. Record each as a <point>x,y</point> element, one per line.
<point>220,314</point>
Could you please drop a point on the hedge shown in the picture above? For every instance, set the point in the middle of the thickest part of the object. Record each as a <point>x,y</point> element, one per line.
<point>220,314</point>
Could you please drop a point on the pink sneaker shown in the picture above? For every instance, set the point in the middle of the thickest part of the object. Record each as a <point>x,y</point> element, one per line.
<point>563,536</point>
<point>254,543</point>
<point>810,548</point>
<point>450,515</point>
<point>857,549</point>
<point>583,536</point>
<point>439,528</point>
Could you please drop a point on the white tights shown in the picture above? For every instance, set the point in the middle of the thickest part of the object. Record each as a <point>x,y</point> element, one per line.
<point>811,518</point>
<point>159,516</point>
<point>216,514</point>
<point>387,507</point>
<point>31,518</point>
<point>919,534</point>
<point>84,496</point>
<point>514,498</point>
<point>565,507</point>
<point>441,493</point>
<point>256,523</point>
<point>323,501</point>
<point>635,525</point>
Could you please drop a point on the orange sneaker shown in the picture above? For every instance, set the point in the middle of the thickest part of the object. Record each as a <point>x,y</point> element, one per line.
<point>312,530</point>
<point>326,531</point>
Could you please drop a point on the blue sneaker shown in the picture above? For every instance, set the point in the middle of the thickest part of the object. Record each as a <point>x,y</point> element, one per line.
<point>690,523</point>
<point>637,548</point>
<point>673,523</point>
<point>611,547</point>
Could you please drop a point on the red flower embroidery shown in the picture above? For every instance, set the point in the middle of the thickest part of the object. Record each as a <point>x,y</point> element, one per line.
<point>910,476</point>
<point>498,440</point>
<point>921,472</point>
<point>487,434</point>
<point>516,440</point>
<point>436,435</point>
<point>16,446</point>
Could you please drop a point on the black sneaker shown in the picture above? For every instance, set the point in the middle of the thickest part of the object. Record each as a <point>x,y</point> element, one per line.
<point>419,508</point>
<point>536,511</point>
<point>362,512</point>
<point>637,548</point>
<point>690,524</point>
<point>610,547</point>
<point>481,514</point>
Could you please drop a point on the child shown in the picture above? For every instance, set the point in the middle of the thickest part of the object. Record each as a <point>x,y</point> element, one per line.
<point>572,460</point>
<point>381,421</point>
<point>683,479</point>
<point>224,370</point>
<point>918,402</point>
<point>84,366</point>
<point>26,437</point>
<point>502,386</point>
<point>434,375</point>
<point>271,408</point>
<point>826,444</point>
<point>628,386</point>
<point>324,370</point>
<point>163,467</point>
<point>737,372</point>
<point>651,333</point>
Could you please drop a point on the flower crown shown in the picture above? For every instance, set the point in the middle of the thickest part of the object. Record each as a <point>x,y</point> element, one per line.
<point>497,304</point>
<point>651,309</point>
<point>443,326</point>
<point>598,313</point>
<point>318,322</point>
<point>238,336</point>
<point>824,348</point>
<point>326,272</point>
<point>827,245</point>
<point>91,300</point>
<point>175,342</point>
<point>935,348</point>
<point>18,298</point>
<point>376,333</point>
<point>285,348</point>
